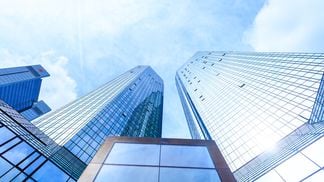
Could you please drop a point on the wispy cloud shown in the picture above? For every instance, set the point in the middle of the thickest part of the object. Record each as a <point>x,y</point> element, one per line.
<point>102,39</point>
<point>288,25</point>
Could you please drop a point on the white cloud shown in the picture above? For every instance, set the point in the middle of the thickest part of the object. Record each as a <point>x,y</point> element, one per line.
<point>289,25</point>
<point>56,90</point>
<point>103,39</point>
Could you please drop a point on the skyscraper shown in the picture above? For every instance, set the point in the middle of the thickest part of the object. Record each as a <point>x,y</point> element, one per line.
<point>264,110</point>
<point>129,105</point>
<point>20,87</point>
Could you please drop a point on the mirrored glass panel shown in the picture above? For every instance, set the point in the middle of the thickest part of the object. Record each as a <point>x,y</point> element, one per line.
<point>49,172</point>
<point>188,175</point>
<point>5,135</point>
<point>127,153</point>
<point>296,168</point>
<point>114,173</point>
<point>5,166</point>
<point>18,153</point>
<point>186,156</point>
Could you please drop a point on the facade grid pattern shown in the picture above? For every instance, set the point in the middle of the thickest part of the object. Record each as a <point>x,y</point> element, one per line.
<point>130,105</point>
<point>26,153</point>
<point>250,101</point>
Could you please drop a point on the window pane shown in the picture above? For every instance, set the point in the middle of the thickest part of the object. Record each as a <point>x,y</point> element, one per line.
<point>50,172</point>
<point>296,168</point>
<point>9,144</point>
<point>127,153</point>
<point>316,152</point>
<point>35,165</point>
<point>5,135</point>
<point>10,175</point>
<point>188,175</point>
<point>28,160</point>
<point>270,176</point>
<point>4,166</point>
<point>318,176</point>
<point>18,153</point>
<point>20,177</point>
<point>185,156</point>
<point>128,174</point>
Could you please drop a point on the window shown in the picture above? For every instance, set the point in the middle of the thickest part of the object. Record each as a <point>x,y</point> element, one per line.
<point>18,153</point>
<point>50,172</point>
<point>127,153</point>
<point>186,156</point>
<point>5,166</point>
<point>188,175</point>
<point>5,135</point>
<point>128,173</point>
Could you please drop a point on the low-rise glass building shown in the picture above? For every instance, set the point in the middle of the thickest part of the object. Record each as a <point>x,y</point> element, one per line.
<point>124,159</point>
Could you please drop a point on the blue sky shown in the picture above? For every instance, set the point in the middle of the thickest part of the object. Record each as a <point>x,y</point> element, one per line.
<point>85,43</point>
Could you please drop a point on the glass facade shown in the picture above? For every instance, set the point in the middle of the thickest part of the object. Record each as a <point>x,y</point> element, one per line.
<point>19,161</point>
<point>26,154</point>
<point>262,109</point>
<point>129,105</point>
<point>127,162</point>
<point>39,108</point>
<point>156,160</point>
<point>20,86</point>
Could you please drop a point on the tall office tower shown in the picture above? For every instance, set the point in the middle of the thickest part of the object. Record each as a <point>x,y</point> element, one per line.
<point>130,105</point>
<point>20,87</point>
<point>265,111</point>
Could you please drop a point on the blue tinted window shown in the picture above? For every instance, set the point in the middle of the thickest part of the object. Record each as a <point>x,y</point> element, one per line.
<point>35,164</point>
<point>10,175</point>
<point>127,153</point>
<point>4,166</point>
<point>49,172</point>
<point>5,135</point>
<point>9,144</point>
<point>127,174</point>
<point>28,160</point>
<point>18,153</point>
<point>188,175</point>
<point>186,156</point>
<point>20,177</point>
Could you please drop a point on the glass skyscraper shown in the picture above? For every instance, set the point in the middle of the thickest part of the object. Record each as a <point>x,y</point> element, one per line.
<point>265,111</point>
<point>129,105</point>
<point>20,87</point>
